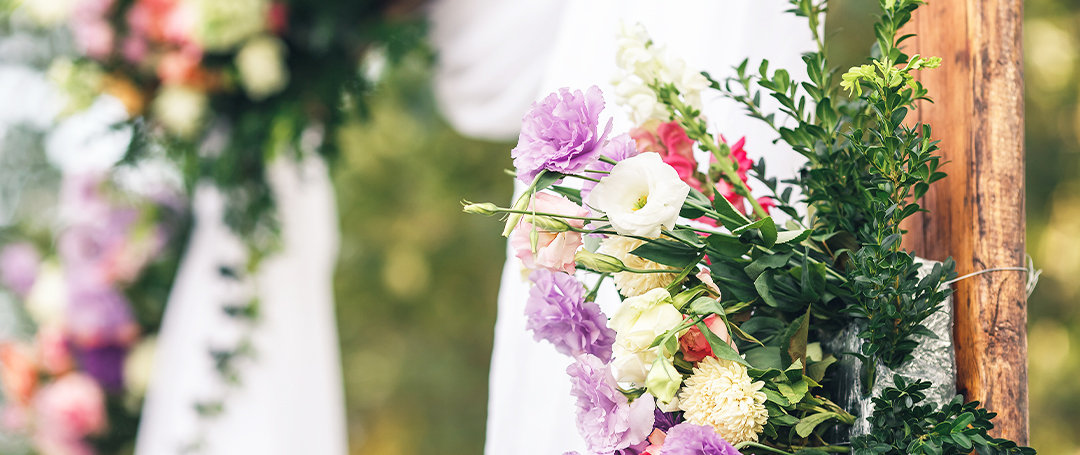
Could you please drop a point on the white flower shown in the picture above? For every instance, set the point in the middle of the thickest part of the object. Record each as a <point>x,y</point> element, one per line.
<point>637,322</point>
<point>640,195</point>
<point>222,25</point>
<point>720,394</point>
<point>48,13</point>
<point>261,63</point>
<point>632,284</point>
<point>138,367</point>
<point>181,109</point>
<point>642,64</point>
<point>48,299</point>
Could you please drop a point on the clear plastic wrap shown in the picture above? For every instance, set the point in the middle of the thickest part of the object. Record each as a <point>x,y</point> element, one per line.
<point>934,361</point>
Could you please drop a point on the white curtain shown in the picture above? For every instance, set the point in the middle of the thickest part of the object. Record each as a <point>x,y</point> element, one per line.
<point>290,399</point>
<point>496,58</point>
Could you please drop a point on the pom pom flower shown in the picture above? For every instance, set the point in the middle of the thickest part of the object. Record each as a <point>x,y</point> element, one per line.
<point>720,394</point>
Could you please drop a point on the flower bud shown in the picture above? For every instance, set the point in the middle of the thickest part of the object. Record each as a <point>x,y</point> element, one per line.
<point>599,262</point>
<point>663,380</point>
<point>512,221</point>
<point>547,223</point>
<point>485,209</point>
<point>683,298</point>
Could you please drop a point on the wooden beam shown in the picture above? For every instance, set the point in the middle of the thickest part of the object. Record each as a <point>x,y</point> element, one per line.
<point>977,212</point>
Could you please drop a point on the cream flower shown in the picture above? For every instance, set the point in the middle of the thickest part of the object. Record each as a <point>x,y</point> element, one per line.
<point>181,109</point>
<point>223,25</point>
<point>721,394</point>
<point>643,63</point>
<point>47,301</point>
<point>637,322</point>
<point>640,195</point>
<point>261,63</point>
<point>632,284</point>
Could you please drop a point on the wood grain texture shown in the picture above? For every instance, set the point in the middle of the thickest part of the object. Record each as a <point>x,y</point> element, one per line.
<point>977,212</point>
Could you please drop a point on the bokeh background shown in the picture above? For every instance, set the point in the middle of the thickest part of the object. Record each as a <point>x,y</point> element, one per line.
<point>418,278</point>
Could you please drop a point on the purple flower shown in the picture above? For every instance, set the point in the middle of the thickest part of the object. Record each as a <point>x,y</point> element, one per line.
<point>689,439</point>
<point>559,134</point>
<point>605,419</point>
<point>105,364</point>
<point>617,148</point>
<point>19,264</point>
<point>666,420</point>
<point>98,316</point>
<point>558,312</point>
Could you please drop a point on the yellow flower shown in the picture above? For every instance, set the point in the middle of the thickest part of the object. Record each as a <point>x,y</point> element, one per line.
<point>720,394</point>
<point>632,284</point>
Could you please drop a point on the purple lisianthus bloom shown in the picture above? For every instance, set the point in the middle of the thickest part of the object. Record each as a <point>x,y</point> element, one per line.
<point>617,148</point>
<point>557,312</point>
<point>105,364</point>
<point>689,439</point>
<point>605,418</point>
<point>19,263</point>
<point>666,420</point>
<point>559,134</point>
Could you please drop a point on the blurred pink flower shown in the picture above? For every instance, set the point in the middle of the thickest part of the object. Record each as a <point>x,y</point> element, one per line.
<point>19,263</point>
<point>92,31</point>
<point>277,18</point>
<point>53,350</point>
<point>70,408</point>
<point>555,250</point>
<point>14,418</point>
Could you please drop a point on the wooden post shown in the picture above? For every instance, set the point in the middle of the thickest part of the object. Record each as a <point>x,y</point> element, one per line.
<point>977,212</point>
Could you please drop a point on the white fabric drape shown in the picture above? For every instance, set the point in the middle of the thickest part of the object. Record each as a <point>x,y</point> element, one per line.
<point>530,411</point>
<point>290,400</point>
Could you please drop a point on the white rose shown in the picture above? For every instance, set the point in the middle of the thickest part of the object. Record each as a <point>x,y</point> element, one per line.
<point>181,109</point>
<point>640,195</point>
<point>637,322</point>
<point>261,63</point>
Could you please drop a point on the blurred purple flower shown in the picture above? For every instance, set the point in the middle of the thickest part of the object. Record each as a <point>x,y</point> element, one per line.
<point>105,364</point>
<point>617,148</point>
<point>559,133</point>
<point>98,316</point>
<point>689,439</point>
<point>605,419</point>
<point>19,264</point>
<point>557,312</point>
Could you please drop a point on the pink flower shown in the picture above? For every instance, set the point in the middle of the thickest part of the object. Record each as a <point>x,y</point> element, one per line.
<point>53,350</point>
<point>656,442</point>
<point>555,250</point>
<point>179,67</point>
<point>673,145</point>
<point>93,34</point>
<point>277,18</point>
<point>694,345</point>
<point>19,263</point>
<point>70,408</point>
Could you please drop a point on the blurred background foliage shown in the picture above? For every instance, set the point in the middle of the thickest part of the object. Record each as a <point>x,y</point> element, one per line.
<point>417,279</point>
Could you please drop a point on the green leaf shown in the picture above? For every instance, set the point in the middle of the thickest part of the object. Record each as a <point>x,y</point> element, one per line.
<point>795,338</point>
<point>764,358</point>
<point>728,245</point>
<point>816,370</point>
<point>765,225</point>
<point>706,305</point>
<point>720,349</point>
<point>573,194</point>
<point>688,236</point>
<point>794,393</point>
<point>667,252</point>
<point>547,178</point>
<point>783,237</point>
<point>730,217</point>
<point>763,284</point>
<point>810,422</point>
<point>766,262</point>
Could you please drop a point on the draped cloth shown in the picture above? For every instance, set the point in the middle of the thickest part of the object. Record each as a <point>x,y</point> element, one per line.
<point>290,398</point>
<point>497,57</point>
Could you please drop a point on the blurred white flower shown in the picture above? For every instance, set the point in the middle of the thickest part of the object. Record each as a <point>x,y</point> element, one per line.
<point>261,63</point>
<point>223,25</point>
<point>138,367</point>
<point>48,13</point>
<point>641,195</point>
<point>80,83</point>
<point>644,64</point>
<point>48,299</point>
<point>180,109</point>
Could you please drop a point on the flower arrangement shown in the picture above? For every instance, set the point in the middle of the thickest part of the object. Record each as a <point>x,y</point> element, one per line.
<point>74,384</point>
<point>715,346</point>
<point>228,86</point>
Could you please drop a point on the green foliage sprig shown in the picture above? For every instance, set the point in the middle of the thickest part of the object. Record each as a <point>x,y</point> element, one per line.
<point>902,426</point>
